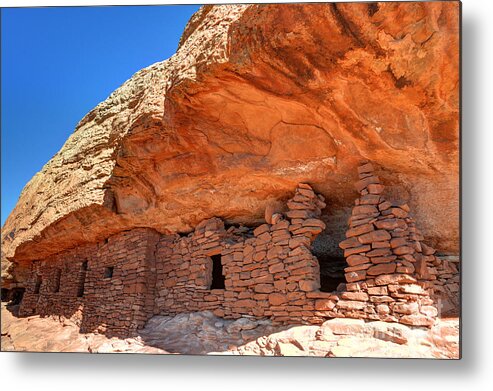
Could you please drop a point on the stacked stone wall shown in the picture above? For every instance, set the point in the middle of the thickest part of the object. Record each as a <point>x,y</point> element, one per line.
<point>388,275</point>
<point>115,303</point>
<point>268,271</point>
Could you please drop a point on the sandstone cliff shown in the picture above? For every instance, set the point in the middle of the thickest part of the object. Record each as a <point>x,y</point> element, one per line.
<point>256,99</point>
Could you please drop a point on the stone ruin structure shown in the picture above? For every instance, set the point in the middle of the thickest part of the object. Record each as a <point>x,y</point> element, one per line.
<point>116,285</point>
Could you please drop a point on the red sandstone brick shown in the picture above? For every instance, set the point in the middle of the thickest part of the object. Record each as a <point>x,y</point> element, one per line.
<point>403,250</point>
<point>369,199</point>
<point>357,259</point>
<point>384,259</point>
<point>263,288</point>
<point>277,299</point>
<point>356,250</point>
<point>379,252</point>
<point>355,276</point>
<point>390,224</point>
<point>362,229</point>
<point>374,236</point>
<point>349,243</point>
<point>383,268</point>
<point>364,183</point>
<point>375,188</point>
<point>259,256</point>
<point>357,296</point>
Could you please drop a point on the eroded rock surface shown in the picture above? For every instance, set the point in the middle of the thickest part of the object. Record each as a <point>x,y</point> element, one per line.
<point>204,333</point>
<point>257,99</point>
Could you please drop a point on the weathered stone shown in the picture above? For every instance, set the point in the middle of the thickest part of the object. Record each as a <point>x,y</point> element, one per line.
<point>417,320</point>
<point>261,229</point>
<point>349,243</point>
<point>350,305</point>
<point>356,268</point>
<point>394,279</point>
<point>355,276</point>
<point>357,296</point>
<point>263,288</point>
<point>389,224</point>
<point>378,252</point>
<point>406,308</point>
<point>357,259</point>
<point>364,210</point>
<point>324,304</point>
<point>365,168</point>
<point>383,268</point>
<point>427,250</point>
<point>385,259</point>
<point>345,326</point>
<point>370,199</point>
<point>403,250</point>
<point>378,290</point>
<point>362,229</point>
<point>380,244</point>
<point>374,236</point>
<point>375,189</point>
<point>365,183</point>
<point>356,250</point>
<point>309,285</point>
<point>277,299</point>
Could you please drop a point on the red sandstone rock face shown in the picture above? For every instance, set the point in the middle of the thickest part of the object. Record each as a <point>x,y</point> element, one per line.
<point>257,99</point>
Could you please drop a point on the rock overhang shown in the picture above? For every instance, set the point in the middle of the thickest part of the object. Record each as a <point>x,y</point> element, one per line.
<point>248,108</point>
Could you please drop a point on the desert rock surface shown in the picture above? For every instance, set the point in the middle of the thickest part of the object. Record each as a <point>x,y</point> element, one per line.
<point>256,99</point>
<point>203,333</point>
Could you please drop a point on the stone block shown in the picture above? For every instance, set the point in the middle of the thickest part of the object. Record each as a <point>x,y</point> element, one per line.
<point>356,250</point>
<point>356,259</point>
<point>324,304</point>
<point>357,296</point>
<point>383,268</point>
<point>355,276</point>
<point>263,288</point>
<point>362,229</point>
<point>309,285</point>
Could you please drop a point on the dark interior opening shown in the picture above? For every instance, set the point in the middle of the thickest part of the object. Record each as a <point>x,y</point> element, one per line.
<point>82,279</point>
<point>331,273</point>
<point>217,273</point>
<point>37,287</point>
<point>5,294</point>
<point>58,277</point>
<point>108,272</point>
<point>17,295</point>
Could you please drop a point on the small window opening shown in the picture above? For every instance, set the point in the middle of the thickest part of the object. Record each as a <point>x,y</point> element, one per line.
<point>5,294</point>
<point>217,273</point>
<point>82,279</point>
<point>331,273</point>
<point>58,276</point>
<point>108,272</point>
<point>37,287</point>
<point>17,295</point>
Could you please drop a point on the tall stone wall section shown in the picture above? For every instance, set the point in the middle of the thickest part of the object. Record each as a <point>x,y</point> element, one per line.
<point>388,276</point>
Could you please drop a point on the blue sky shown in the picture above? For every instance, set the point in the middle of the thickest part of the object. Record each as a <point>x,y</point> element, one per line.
<point>58,63</point>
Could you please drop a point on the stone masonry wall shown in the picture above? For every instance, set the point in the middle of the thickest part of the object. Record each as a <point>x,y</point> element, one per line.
<point>268,271</point>
<point>388,275</point>
<point>114,304</point>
